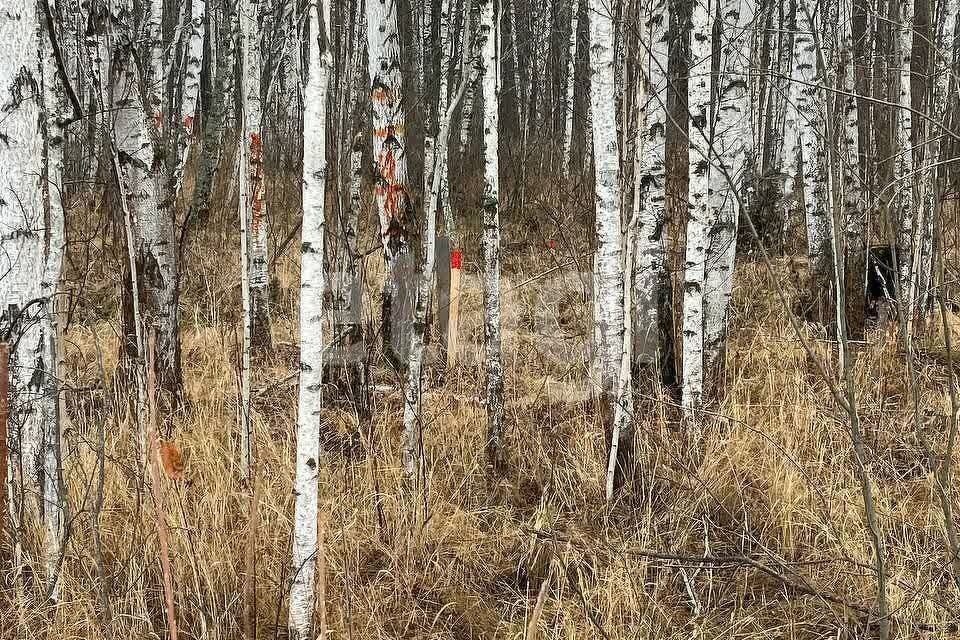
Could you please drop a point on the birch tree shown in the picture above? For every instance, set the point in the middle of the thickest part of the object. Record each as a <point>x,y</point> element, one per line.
<point>698,215</point>
<point>852,220</point>
<point>154,190</point>
<point>732,127</point>
<point>806,168</point>
<point>489,46</point>
<point>312,283</point>
<point>904,153</point>
<point>252,199</point>
<point>36,113</point>
<point>608,264</point>
<point>650,181</point>
<point>394,205</point>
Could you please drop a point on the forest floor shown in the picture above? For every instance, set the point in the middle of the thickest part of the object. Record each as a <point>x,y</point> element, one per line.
<point>773,496</point>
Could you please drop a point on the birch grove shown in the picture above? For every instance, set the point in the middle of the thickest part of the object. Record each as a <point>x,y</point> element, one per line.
<point>537,277</point>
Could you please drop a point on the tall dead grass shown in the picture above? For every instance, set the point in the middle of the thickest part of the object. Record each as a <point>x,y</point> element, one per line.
<point>536,553</point>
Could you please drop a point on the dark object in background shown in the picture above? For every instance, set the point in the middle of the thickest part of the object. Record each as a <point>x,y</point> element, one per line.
<point>881,282</point>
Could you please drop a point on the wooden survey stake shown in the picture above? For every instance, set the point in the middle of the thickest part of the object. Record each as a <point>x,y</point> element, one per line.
<point>453,327</point>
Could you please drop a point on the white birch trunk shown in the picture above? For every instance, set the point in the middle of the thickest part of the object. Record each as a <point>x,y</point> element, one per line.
<point>733,133</point>
<point>193,63</point>
<point>489,46</point>
<point>698,217</point>
<point>246,183</point>
<point>252,198</point>
<point>312,286</point>
<point>394,205</point>
<point>811,107</point>
<point>22,259</point>
<point>608,277</point>
<point>570,105</point>
<point>153,192</point>
<point>138,130</point>
<point>649,183</point>
<point>793,181</point>
<point>906,222</point>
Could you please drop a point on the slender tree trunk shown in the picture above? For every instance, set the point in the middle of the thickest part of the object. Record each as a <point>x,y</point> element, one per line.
<point>252,196</point>
<point>154,191</point>
<point>466,113</point>
<point>56,108</point>
<point>570,105</point>
<point>312,282</point>
<point>901,18</point>
<point>489,46</point>
<point>214,121</point>
<point>698,216</point>
<point>854,212</point>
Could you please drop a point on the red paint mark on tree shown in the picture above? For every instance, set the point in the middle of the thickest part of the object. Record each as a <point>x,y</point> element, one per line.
<point>188,123</point>
<point>256,183</point>
<point>456,259</point>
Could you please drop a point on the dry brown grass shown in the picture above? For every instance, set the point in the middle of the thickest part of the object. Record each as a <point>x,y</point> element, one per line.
<point>776,483</point>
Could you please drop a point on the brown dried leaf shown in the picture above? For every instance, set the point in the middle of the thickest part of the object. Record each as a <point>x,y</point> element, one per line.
<point>171,459</point>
